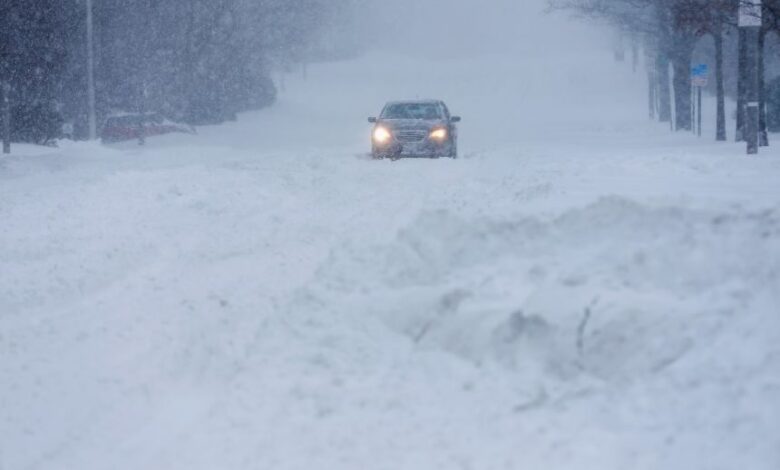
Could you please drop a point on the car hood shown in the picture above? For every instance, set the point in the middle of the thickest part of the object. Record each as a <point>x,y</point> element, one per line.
<point>416,124</point>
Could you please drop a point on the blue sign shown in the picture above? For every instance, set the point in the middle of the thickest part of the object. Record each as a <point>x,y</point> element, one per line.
<point>700,75</point>
<point>700,71</point>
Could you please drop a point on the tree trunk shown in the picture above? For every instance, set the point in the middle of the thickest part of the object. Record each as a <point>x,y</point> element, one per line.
<point>652,87</point>
<point>763,136</point>
<point>664,48</point>
<point>720,134</point>
<point>5,104</point>
<point>91,111</point>
<point>681,63</point>
<point>664,94</point>
<point>189,64</point>
<point>652,81</point>
<point>741,86</point>
<point>619,47</point>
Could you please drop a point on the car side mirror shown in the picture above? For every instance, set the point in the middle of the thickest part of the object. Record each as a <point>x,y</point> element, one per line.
<point>372,120</point>
<point>455,119</point>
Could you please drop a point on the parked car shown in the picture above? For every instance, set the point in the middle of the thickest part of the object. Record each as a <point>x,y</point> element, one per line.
<point>422,128</point>
<point>127,126</point>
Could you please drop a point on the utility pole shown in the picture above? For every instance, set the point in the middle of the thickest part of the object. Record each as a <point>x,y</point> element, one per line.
<point>750,13</point>
<point>91,73</point>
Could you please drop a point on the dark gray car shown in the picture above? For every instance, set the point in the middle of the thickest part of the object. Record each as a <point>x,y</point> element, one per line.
<point>422,128</point>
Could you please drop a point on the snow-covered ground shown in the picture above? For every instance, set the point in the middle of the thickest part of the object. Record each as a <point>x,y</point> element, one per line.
<point>581,290</point>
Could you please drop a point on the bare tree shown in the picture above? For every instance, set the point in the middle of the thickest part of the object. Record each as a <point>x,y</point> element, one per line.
<point>671,30</point>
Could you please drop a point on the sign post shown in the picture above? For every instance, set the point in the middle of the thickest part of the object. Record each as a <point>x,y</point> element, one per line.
<point>750,20</point>
<point>699,79</point>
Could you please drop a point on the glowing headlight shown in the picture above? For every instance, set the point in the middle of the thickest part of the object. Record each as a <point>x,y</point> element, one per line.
<point>439,134</point>
<point>381,135</point>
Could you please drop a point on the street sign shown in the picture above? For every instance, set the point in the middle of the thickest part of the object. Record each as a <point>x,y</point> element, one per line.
<point>750,13</point>
<point>700,74</point>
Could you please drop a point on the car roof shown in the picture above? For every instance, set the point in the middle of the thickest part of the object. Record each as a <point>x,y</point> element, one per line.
<point>414,102</point>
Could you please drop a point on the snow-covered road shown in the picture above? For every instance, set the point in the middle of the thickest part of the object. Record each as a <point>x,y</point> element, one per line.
<point>580,290</point>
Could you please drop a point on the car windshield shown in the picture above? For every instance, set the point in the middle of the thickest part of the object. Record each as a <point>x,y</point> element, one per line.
<point>412,111</point>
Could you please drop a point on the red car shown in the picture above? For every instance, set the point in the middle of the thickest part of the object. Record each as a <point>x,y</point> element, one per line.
<point>122,127</point>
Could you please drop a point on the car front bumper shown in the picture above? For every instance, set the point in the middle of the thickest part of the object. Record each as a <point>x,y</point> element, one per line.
<point>428,148</point>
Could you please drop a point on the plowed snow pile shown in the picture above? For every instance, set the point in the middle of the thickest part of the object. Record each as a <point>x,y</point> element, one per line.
<point>627,312</point>
<point>615,290</point>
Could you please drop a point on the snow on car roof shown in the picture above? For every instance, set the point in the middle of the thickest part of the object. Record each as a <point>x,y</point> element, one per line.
<point>414,102</point>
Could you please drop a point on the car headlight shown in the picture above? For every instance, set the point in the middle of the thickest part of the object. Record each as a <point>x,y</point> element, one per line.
<point>381,135</point>
<point>439,134</point>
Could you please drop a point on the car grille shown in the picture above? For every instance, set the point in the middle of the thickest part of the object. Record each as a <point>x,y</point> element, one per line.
<point>409,136</point>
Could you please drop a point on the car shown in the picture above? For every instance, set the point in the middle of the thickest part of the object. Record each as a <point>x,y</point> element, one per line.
<point>131,126</point>
<point>420,128</point>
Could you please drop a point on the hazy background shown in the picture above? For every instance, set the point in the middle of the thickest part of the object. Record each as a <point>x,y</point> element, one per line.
<point>441,28</point>
<point>513,71</point>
